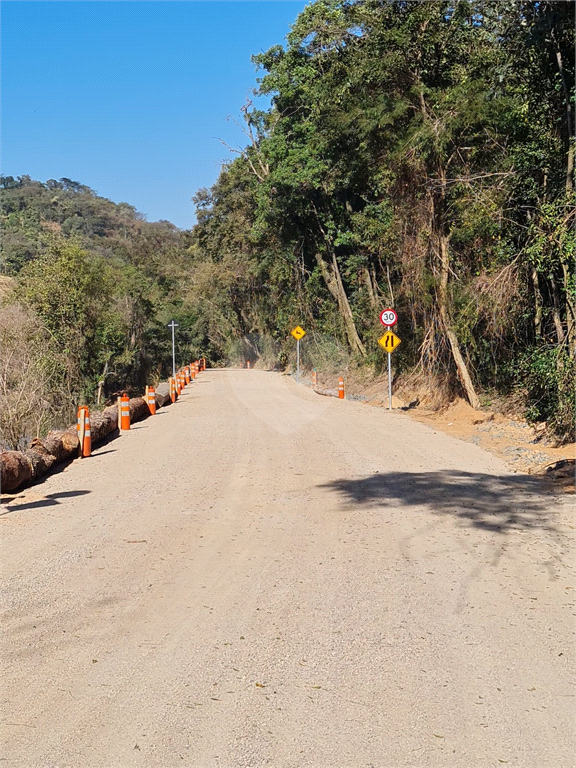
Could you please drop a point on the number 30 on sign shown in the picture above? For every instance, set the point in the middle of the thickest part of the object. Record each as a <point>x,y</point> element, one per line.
<point>388,317</point>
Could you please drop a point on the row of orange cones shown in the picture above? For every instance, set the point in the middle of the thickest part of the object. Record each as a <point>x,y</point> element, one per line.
<point>183,376</point>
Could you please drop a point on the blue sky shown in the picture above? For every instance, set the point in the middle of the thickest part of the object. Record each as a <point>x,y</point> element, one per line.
<point>131,97</point>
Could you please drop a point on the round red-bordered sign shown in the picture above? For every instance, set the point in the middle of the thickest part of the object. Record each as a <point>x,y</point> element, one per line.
<point>388,317</point>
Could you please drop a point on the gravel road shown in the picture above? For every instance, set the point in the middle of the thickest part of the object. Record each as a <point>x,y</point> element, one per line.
<point>260,576</point>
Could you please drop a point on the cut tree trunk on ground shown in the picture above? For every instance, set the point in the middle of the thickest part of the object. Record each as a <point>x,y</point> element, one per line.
<point>162,394</point>
<point>16,468</point>
<point>326,392</point>
<point>102,424</point>
<point>138,409</point>
<point>60,443</point>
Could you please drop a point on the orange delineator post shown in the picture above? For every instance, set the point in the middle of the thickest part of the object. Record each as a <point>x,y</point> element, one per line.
<point>197,366</point>
<point>151,400</point>
<point>192,371</point>
<point>173,394</point>
<point>187,374</point>
<point>314,379</point>
<point>178,383</point>
<point>84,434</point>
<point>341,388</point>
<point>203,363</point>
<point>248,364</point>
<point>125,412</point>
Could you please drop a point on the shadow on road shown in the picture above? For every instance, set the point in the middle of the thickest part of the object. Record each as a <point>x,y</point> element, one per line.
<point>48,501</point>
<point>491,502</point>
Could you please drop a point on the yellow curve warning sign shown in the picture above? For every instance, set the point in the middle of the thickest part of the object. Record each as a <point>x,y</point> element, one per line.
<point>298,333</point>
<point>389,341</point>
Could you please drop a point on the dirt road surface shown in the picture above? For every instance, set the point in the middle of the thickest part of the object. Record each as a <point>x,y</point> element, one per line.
<point>259,576</point>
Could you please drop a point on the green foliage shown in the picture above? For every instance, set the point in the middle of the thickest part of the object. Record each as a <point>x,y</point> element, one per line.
<point>548,377</point>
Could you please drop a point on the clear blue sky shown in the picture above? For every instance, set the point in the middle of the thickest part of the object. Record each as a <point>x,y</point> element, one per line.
<point>131,98</point>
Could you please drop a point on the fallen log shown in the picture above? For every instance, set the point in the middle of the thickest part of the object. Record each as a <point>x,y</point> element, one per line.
<point>15,469</point>
<point>326,392</point>
<point>40,462</point>
<point>103,423</point>
<point>61,443</point>
<point>163,394</point>
<point>138,409</point>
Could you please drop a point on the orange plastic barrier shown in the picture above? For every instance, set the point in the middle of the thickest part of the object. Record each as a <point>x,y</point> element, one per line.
<point>151,400</point>
<point>341,388</point>
<point>84,434</point>
<point>124,412</point>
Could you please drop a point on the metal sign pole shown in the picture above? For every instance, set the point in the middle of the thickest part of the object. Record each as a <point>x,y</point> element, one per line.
<point>389,381</point>
<point>297,361</point>
<point>172,324</point>
<point>173,355</point>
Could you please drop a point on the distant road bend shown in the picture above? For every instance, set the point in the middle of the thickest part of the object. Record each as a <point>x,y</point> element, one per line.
<point>259,576</point>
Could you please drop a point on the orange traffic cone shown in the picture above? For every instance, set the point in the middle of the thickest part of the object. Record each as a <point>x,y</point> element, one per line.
<point>125,412</point>
<point>341,388</point>
<point>84,434</point>
<point>151,400</point>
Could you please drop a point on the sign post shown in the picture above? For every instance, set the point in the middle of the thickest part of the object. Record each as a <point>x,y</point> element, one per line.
<point>173,324</point>
<point>389,342</point>
<point>298,334</point>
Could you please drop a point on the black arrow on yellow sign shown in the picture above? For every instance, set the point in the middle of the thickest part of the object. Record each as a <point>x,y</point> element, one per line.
<point>389,341</point>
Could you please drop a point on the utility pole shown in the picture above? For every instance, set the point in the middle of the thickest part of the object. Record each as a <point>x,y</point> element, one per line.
<point>173,324</point>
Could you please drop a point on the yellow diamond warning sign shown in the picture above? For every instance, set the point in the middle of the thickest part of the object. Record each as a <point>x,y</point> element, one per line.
<point>298,333</point>
<point>389,341</point>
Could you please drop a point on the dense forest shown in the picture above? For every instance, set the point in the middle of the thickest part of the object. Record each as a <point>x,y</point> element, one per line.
<point>418,155</point>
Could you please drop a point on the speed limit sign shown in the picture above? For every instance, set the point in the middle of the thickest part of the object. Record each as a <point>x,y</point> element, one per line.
<point>388,317</point>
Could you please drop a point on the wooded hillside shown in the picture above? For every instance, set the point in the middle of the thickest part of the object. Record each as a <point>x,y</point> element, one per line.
<point>418,155</point>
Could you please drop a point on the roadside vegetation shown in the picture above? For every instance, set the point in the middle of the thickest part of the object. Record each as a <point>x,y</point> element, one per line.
<point>418,155</point>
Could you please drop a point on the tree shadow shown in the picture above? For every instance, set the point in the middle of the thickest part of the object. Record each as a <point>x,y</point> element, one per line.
<point>490,502</point>
<point>50,500</point>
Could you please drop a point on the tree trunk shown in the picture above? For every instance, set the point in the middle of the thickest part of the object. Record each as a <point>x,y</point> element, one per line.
<point>334,284</point>
<point>570,153</point>
<point>556,311</point>
<point>537,304</point>
<point>439,224</point>
<point>463,373</point>
<point>370,288</point>
<point>570,314</point>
